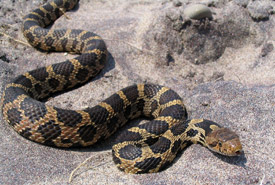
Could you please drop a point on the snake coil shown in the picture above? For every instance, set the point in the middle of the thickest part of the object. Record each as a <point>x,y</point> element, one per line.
<point>145,148</point>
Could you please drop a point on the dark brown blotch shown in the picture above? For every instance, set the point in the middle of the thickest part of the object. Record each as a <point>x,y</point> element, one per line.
<point>127,111</point>
<point>192,133</point>
<point>154,106</point>
<point>98,114</point>
<point>48,7</point>
<point>148,164</point>
<point>12,93</point>
<point>151,140</point>
<point>64,43</point>
<point>174,111</point>
<point>205,125</point>
<point>115,102</point>
<point>49,17</point>
<point>39,12</point>
<point>87,35</point>
<point>38,88</point>
<point>131,93</point>
<point>113,124</point>
<point>49,41</point>
<point>73,46</point>
<point>57,12</point>
<point>65,68</point>
<point>29,35</point>
<point>49,130</point>
<point>128,136</point>
<point>155,127</point>
<point>161,146</point>
<point>26,133</point>
<point>88,59</point>
<point>59,3</point>
<point>116,159</point>
<point>168,96</point>
<point>70,118</point>
<point>150,90</point>
<point>24,81</point>
<point>39,74</point>
<point>32,16</point>
<point>176,146</point>
<point>33,109</point>
<point>14,116</point>
<point>130,152</point>
<point>82,74</point>
<point>140,105</point>
<point>53,83</point>
<point>87,132</point>
<point>67,5</point>
<point>179,128</point>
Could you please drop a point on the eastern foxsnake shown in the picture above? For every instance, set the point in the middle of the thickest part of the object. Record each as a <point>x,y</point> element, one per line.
<point>144,148</point>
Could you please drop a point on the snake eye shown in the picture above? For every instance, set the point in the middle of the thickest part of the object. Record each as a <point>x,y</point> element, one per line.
<point>238,152</point>
<point>220,144</point>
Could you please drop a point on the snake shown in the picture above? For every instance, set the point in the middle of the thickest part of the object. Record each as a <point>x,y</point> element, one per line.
<point>146,148</point>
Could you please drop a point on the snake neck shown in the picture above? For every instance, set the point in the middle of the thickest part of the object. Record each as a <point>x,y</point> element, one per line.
<point>199,129</point>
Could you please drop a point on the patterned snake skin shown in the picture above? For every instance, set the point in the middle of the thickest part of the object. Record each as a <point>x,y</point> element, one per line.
<point>146,148</point>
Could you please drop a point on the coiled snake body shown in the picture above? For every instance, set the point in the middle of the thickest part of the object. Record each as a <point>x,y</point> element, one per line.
<point>145,148</point>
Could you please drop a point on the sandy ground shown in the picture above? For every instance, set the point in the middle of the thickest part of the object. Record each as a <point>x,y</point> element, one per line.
<point>225,73</point>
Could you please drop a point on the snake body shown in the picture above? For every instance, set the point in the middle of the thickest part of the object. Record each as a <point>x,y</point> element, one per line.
<point>145,148</point>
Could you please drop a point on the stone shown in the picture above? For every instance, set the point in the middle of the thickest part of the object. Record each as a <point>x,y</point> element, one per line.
<point>197,11</point>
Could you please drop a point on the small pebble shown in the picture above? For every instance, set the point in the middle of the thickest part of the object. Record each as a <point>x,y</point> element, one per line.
<point>198,11</point>
<point>177,3</point>
<point>205,103</point>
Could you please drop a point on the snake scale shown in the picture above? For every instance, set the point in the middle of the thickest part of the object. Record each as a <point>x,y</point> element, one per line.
<point>145,148</point>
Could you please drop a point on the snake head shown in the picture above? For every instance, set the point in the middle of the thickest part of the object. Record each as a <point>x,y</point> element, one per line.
<point>224,141</point>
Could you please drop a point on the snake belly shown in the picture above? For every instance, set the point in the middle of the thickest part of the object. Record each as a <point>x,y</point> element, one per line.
<point>141,149</point>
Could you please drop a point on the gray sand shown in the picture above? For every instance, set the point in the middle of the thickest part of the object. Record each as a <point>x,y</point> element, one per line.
<point>223,69</point>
